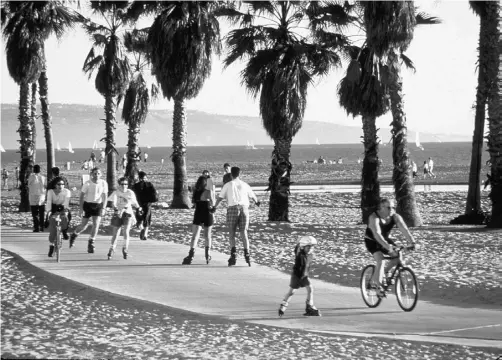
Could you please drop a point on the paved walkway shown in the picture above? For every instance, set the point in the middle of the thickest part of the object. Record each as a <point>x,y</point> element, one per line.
<point>252,294</point>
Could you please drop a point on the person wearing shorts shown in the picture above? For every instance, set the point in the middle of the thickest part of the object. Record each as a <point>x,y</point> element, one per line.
<point>123,200</point>
<point>377,237</point>
<point>93,198</point>
<point>237,194</point>
<point>202,217</point>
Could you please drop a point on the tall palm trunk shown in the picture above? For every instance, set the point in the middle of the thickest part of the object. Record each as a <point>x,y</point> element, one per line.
<point>279,180</point>
<point>495,111</point>
<point>46,121</point>
<point>111,173</point>
<point>33,118</point>
<point>180,186</point>
<point>402,176</point>
<point>133,154</point>
<point>25,144</point>
<point>473,203</point>
<point>370,184</point>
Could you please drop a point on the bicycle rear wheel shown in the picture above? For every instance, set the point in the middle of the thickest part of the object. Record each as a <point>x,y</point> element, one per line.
<point>58,244</point>
<point>406,289</point>
<point>370,296</point>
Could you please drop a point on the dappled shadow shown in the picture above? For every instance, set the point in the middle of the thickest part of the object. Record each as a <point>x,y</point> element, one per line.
<point>462,229</point>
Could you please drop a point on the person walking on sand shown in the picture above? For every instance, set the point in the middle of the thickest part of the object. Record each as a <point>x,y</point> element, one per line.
<point>123,200</point>
<point>300,276</point>
<point>145,156</point>
<point>414,169</point>
<point>146,194</point>
<point>93,198</point>
<point>16,172</point>
<point>36,190</point>
<point>58,203</point>
<point>237,194</point>
<point>203,199</point>
<point>430,163</point>
<point>426,170</point>
<point>227,176</point>
<point>5,179</point>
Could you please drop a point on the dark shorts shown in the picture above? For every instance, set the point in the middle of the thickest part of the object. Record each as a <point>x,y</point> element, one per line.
<point>297,283</point>
<point>374,246</point>
<point>119,221</point>
<point>202,216</point>
<point>92,209</point>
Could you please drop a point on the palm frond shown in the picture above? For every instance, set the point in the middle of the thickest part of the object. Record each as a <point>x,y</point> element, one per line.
<point>407,62</point>
<point>426,19</point>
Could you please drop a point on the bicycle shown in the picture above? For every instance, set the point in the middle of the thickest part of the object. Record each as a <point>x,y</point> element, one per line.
<point>403,278</point>
<point>58,244</point>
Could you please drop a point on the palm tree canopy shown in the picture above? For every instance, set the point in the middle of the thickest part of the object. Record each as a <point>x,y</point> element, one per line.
<point>283,60</point>
<point>182,40</point>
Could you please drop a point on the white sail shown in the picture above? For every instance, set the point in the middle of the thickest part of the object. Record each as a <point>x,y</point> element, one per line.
<point>2,149</point>
<point>417,141</point>
<point>70,150</point>
<point>317,141</point>
<point>148,147</point>
<point>95,145</point>
<point>250,145</point>
<point>58,147</point>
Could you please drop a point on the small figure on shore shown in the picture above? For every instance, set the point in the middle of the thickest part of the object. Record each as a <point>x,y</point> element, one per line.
<point>321,160</point>
<point>300,276</point>
<point>145,156</point>
<point>36,190</point>
<point>124,162</point>
<point>414,169</point>
<point>359,160</point>
<point>93,157</point>
<point>93,198</point>
<point>203,198</point>
<point>340,160</point>
<point>102,156</point>
<point>237,194</point>
<point>5,179</point>
<point>146,194</point>
<point>123,201</point>
<point>16,174</point>
<point>426,170</point>
<point>227,176</point>
<point>58,203</point>
<point>431,167</point>
<point>85,165</point>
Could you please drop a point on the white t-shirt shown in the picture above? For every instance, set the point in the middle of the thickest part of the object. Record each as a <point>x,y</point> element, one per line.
<point>63,198</point>
<point>93,191</point>
<point>124,200</point>
<point>36,189</point>
<point>431,164</point>
<point>237,192</point>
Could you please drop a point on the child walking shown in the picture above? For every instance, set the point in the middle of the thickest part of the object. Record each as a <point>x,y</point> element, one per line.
<point>300,276</point>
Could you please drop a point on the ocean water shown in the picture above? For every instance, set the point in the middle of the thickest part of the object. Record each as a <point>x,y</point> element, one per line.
<point>443,154</point>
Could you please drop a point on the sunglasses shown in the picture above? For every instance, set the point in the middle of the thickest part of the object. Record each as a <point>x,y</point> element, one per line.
<point>124,184</point>
<point>60,184</point>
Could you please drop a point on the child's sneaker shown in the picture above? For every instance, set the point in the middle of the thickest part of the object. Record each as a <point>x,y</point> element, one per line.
<point>282,308</point>
<point>311,310</point>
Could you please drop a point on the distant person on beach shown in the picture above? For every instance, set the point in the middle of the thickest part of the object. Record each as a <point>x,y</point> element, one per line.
<point>340,161</point>
<point>93,157</point>
<point>426,170</point>
<point>359,160</point>
<point>414,169</point>
<point>378,241</point>
<point>204,200</point>
<point>5,179</point>
<point>145,156</point>
<point>102,156</point>
<point>146,194</point>
<point>58,203</point>
<point>321,160</point>
<point>36,189</point>
<point>16,172</point>
<point>237,194</point>
<point>300,276</point>
<point>53,185</point>
<point>227,176</point>
<point>93,198</point>
<point>431,167</point>
<point>124,161</point>
<point>85,165</point>
<point>123,201</point>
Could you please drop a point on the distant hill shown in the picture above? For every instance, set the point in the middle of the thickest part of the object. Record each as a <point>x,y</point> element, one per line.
<point>82,124</point>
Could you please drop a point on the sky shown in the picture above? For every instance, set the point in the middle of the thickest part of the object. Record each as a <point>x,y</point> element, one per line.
<point>439,96</point>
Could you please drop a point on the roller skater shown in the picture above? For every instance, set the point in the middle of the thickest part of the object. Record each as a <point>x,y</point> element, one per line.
<point>300,276</point>
<point>233,257</point>
<point>188,260</point>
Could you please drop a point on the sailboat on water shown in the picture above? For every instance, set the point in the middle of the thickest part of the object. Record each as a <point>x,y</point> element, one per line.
<point>70,149</point>
<point>317,141</point>
<point>250,145</point>
<point>95,145</point>
<point>58,147</point>
<point>417,141</point>
<point>2,149</point>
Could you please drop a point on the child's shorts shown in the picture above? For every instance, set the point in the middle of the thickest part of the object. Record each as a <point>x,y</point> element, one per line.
<point>297,283</point>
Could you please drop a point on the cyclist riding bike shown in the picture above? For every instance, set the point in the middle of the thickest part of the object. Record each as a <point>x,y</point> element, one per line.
<point>58,203</point>
<point>378,241</point>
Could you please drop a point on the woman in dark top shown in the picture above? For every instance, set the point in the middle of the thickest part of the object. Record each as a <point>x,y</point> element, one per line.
<point>203,217</point>
<point>377,237</point>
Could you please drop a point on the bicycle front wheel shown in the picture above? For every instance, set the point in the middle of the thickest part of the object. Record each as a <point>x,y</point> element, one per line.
<point>406,289</point>
<point>370,296</point>
<point>58,245</point>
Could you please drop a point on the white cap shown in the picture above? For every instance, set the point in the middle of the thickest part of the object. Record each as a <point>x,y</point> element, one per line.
<point>307,240</point>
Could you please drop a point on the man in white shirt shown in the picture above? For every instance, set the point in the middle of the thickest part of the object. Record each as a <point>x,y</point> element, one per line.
<point>237,194</point>
<point>431,166</point>
<point>93,198</point>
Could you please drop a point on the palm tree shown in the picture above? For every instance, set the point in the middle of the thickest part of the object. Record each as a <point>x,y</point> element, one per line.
<point>137,98</point>
<point>488,11</point>
<point>24,64</point>
<point>182,40</point>
<point>41,19</point>
<point>283,61</point>
<point>113,71</point>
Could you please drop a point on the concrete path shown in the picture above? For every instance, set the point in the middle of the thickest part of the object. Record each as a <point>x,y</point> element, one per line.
<point>154,272</point>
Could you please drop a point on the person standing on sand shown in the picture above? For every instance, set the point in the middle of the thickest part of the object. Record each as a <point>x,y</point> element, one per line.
<point>431,166</point>
<point>146,194</point>
<point>145,156</point>
<point>237,194</point>
<point>426,170</point>
<point>36,190</point>
<point>93,198</point>
<point>227,176</point>
<point>16,172</point>
<point>5,179</point>
<point>300,276</point>
<point>414,169</point>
